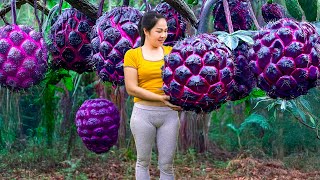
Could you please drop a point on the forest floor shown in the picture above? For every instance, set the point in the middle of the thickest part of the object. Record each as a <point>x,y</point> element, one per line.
<point>119,164</point>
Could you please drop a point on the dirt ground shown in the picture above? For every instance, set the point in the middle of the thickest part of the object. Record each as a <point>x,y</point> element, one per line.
<point>200,169</point>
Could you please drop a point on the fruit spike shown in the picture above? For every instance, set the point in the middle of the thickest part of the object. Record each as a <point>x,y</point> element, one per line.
<point>70,43</point>
<point>284,58</point>
<point>198,73</point>
<point>115,32</point>
<point>23,55</point>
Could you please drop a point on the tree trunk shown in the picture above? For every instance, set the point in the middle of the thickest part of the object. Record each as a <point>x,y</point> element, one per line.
<point>194,131</point>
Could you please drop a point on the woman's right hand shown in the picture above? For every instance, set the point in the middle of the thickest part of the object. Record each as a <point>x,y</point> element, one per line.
<point>165,100</point>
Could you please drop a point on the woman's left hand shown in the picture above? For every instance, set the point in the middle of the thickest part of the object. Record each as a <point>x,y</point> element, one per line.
<point>172,106</point>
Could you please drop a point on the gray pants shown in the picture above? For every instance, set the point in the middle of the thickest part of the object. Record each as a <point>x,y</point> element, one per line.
<point>148,123</point>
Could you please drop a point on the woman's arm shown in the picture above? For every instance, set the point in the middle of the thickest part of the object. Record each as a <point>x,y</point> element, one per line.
<point>131,83</point>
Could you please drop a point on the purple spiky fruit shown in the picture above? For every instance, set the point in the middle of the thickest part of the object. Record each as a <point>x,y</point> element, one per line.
<point>285,58</point>
<point>69,41</point>
<point>114,34</point>
<point>198,73</point>
<point>272,12</point>
<point>243,76</point>
<point>97,122</point>
<point>176,23</point>
<point>23,57</point>
<point>240,15</point>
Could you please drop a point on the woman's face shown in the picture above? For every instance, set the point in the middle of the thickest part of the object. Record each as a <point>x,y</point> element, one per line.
<point>158,34</point>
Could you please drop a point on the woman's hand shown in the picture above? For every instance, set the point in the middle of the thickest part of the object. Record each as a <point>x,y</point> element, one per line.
<point>165,100</point>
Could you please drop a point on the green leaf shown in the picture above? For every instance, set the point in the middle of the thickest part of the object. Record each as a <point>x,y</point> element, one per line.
<point>245,33</point>
<point>256,92</point>
<point>297,111</point>
<point>192,2</point>
<point>68,83</point>
<point>255,119</point>
<point>245,38</point>
<point>233,128</point>
<point>318,7</point>
<point>293,9</point>
<point>312,120</point>
<point>310,9</point>
<point>305,104</point>
<point>217,33</point>
<point>230,41</point>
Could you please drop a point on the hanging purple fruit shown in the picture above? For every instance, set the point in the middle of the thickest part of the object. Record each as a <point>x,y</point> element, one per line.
<point>240,15</point>
<point>198,73</point>
<point>70,43</point>
<point>238,42</point>
<point>272,11</point>
<point>97,122</point>
<point>114,34</point>
<point>23,55</point>
<point>285,58</point>
<point>176,23</point>
<point>243,76</point>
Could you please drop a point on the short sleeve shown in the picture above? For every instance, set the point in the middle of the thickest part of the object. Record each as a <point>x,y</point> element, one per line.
<point>130,60</point>
<point>167,50</point>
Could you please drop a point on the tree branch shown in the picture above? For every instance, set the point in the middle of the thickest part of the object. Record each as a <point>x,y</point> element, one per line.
<point>7,8</point>
<point>85,7</point>
<point>184,10</point>
<point>39,6</point>
<point>91,10</point>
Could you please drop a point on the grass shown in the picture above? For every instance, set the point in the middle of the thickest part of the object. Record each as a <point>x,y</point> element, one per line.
<point>41,163</point>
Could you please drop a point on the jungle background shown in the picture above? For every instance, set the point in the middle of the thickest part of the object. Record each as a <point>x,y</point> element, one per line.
<point>253,138</point>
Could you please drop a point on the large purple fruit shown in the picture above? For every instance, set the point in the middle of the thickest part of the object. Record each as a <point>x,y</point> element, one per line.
<point>113,35</point>
<point>243,76</point>
<point>285,58</point>
<point>240,15</point>
<point>23,57</point>
<point>198,73</point>
<point>70,43</point>
<point>97,122</point>
<point>176,23</point>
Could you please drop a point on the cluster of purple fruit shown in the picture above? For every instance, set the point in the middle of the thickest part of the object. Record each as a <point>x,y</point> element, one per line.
<point>200,74</point>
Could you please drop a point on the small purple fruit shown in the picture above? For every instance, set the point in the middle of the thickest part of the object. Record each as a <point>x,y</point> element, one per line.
<point>97,122</point>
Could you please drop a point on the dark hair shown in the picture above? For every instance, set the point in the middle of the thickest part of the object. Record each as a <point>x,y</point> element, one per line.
<point>148,21</point>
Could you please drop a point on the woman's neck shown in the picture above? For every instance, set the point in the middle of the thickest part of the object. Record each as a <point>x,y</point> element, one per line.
<point>150,47</point>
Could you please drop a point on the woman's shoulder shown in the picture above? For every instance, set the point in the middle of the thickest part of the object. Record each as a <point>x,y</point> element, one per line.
<point>133,51</point>
<point>167,49</point>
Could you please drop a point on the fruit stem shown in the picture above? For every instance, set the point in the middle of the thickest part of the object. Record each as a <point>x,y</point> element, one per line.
<point>253,16</point>
<point>42,15</point>
<point>60,6</point>
<point>100,11</point>
<point>13,12</point>
<point>228,16</point>
<point>126,2</point>
<point>270,1</point>
<point>5,20</point>
<point>147,5</point>
<point>204,16</point>
<point>36,14</point>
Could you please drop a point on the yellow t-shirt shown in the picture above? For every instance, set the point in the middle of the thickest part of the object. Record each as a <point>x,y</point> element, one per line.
<point>149,72</point>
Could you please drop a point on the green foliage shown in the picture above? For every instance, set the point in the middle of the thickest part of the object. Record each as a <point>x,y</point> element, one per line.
<point>232,40</point>
<point>253,119</point>
<point>310,9</point>
<point>294,9</point>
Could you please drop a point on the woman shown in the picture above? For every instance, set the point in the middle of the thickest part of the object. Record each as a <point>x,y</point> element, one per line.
<point>153,116</point>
